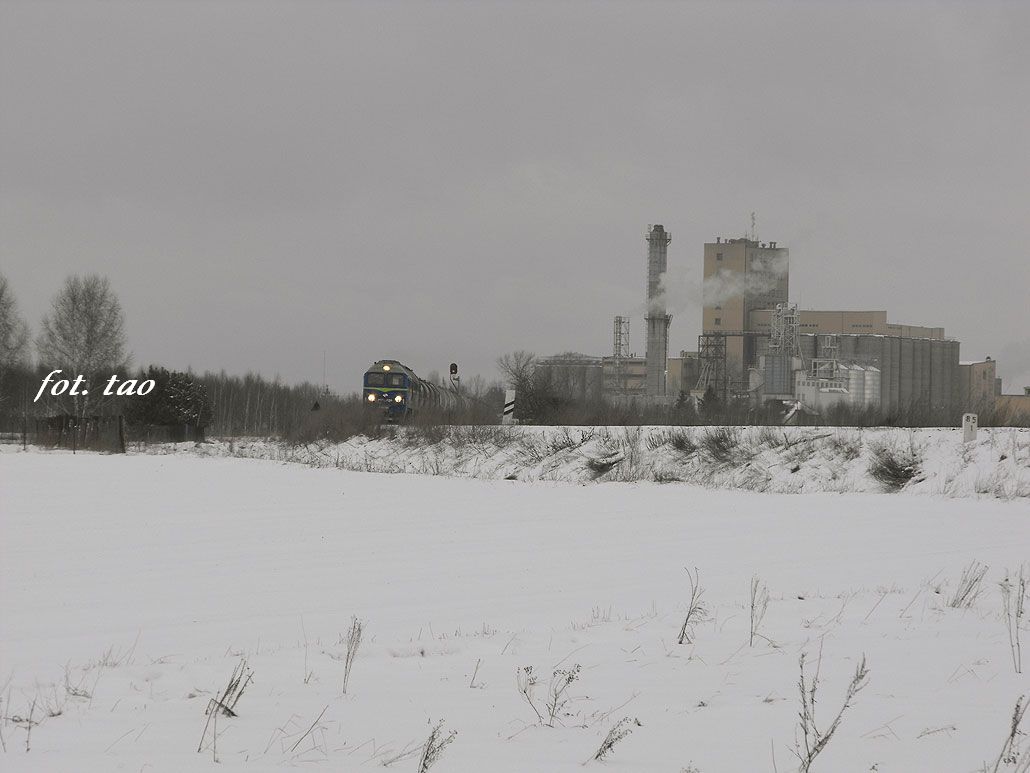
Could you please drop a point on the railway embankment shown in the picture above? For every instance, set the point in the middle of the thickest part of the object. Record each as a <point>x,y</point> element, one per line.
<point>791,460</point>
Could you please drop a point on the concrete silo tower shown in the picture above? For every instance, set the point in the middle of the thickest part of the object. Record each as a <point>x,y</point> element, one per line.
<point>657,353</point>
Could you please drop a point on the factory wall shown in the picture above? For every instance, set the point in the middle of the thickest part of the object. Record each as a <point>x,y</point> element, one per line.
<point>976,386</point>
<point>841,322</point>
<point>915,373</point>
<point>810,321</point>
<point>777,373</point>
<point>674,376</point>
<point>578,379</point>
<point>822,395</point>
<point>1013,410</point>
<point>625,376</point>
<point>684,372</point>
<point>914,331</point>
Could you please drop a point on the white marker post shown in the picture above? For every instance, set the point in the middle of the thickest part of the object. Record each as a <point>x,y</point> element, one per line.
<point>968,427</point>
<point>508,414</point>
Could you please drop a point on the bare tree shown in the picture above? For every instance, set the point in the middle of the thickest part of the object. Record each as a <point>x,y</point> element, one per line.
<point>541,396</point>
<point>84,334</point>
<point>518,368</point>
<point>14,335</point>
<point>520,373</point>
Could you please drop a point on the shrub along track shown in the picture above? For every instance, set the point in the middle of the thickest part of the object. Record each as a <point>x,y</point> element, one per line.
<point>765,459</point>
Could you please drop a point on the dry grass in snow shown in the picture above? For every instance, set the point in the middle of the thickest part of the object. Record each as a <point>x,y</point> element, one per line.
<point>144,595</point>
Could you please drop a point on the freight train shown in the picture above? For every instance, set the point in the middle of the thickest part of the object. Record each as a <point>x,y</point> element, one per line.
<point>394,389</point>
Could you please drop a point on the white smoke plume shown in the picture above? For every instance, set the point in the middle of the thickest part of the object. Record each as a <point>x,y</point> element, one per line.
<point>678,290</point>
<point>763,276</point>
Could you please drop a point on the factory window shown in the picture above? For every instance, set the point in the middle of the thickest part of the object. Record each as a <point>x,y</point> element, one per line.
<point>718,256</point>
<point>718,320</point>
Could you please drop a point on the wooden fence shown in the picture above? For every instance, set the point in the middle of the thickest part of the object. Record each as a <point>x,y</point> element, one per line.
<point>93,433</point>
<point>13,429</point>
<point>163,433</point>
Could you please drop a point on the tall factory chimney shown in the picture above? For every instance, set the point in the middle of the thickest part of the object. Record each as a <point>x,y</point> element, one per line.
<point>657,354</point>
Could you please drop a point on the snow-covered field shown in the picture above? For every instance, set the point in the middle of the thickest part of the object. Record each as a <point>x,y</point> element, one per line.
<point>132,586</point>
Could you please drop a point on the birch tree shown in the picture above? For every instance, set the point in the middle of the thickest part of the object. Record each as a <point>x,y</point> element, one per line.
<point>84,334</point>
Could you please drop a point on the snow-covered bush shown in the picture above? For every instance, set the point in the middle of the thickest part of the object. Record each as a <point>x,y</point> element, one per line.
<point>683,442</point>
<point>722,445</point>
<point>847,445</point>
<point>894,467</point>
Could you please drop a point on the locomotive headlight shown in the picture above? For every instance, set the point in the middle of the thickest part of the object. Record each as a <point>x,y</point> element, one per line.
<point>372,397</point>
<point>386,367</point>
<point>399,399</point>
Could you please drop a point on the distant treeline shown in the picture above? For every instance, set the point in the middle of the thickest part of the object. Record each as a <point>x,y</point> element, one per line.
<point>223,404</point>
<point>229,406</point>
<point>253,406</point>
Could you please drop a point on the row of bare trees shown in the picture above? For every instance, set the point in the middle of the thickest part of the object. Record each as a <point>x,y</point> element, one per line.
<point>83,333</point>
<point>252,405</point>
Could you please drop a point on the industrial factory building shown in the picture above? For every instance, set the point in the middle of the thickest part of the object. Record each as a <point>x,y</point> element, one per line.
<point>741,276</point>
<point>978,385</point>
<point>575,376</point>
<point>756,346</point>
<point>979,391</point>
<point>912,372</point>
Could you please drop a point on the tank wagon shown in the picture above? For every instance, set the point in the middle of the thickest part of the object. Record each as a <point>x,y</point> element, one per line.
<point>393,388</point>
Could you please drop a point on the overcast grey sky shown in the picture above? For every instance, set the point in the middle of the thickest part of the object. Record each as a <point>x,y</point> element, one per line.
<point>438,182</point>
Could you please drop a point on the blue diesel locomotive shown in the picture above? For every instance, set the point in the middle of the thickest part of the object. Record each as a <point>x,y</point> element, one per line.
<point>394,389</point>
